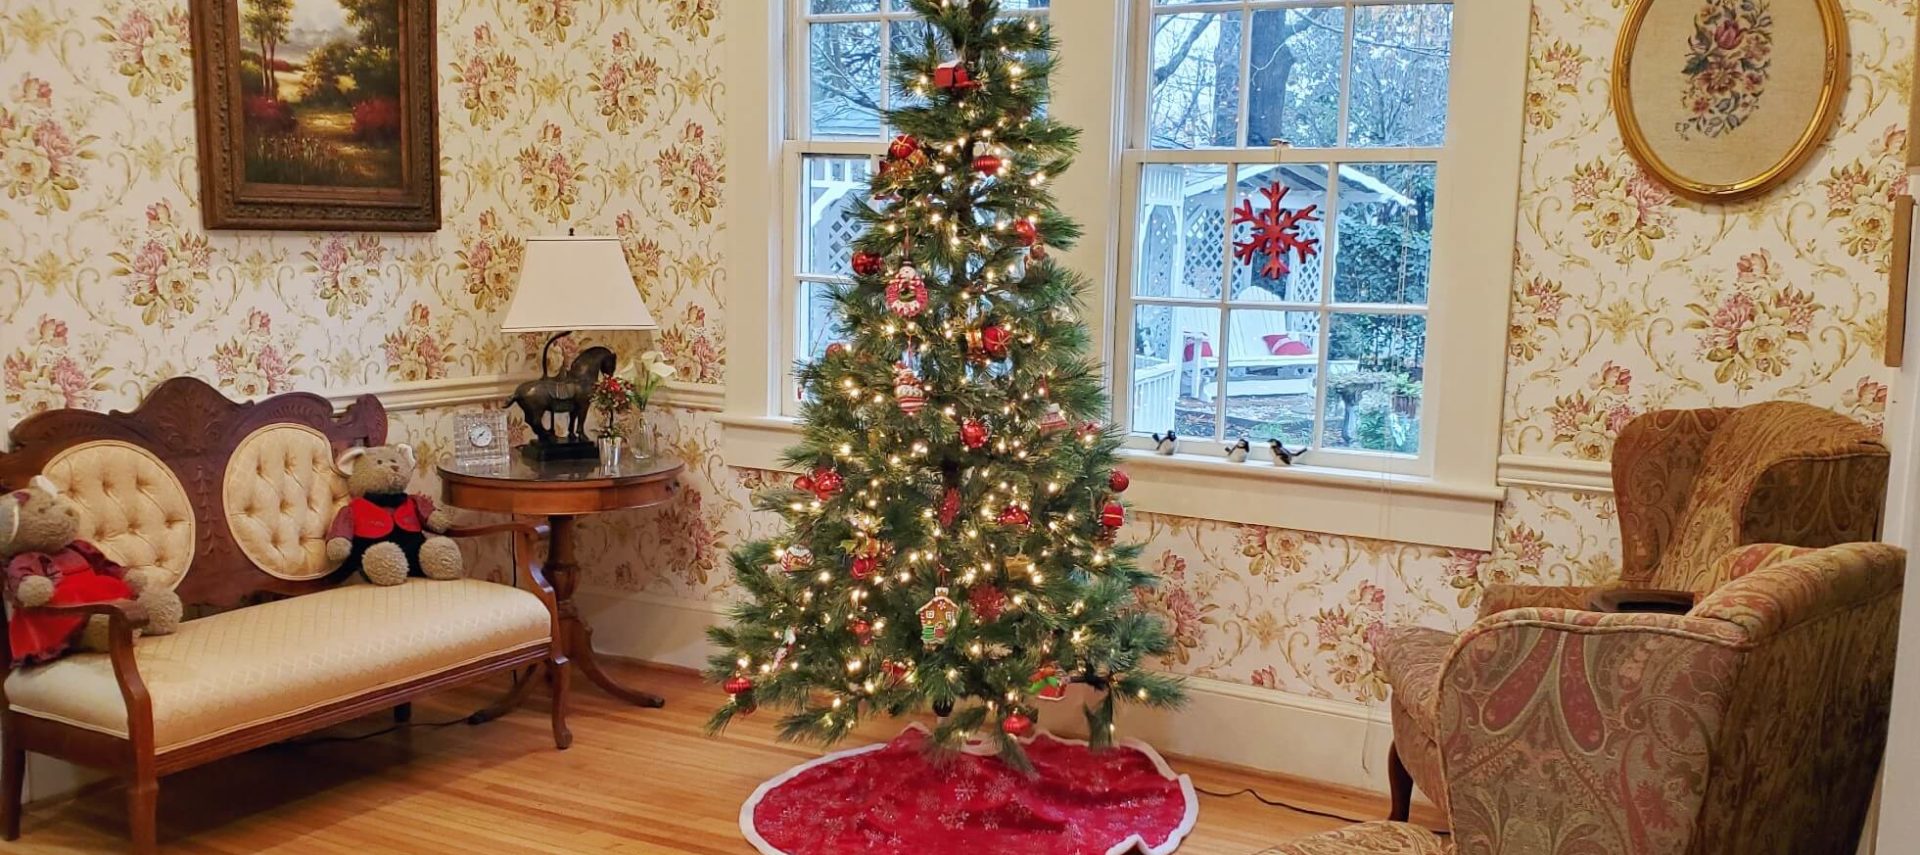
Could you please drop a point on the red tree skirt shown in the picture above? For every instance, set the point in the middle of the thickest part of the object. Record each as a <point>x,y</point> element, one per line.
<point>890,798</point>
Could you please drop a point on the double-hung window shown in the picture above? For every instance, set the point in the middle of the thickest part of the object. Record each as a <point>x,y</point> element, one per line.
<point>838,91</point>
<point>1299,222</point>
<point>1280,179</point>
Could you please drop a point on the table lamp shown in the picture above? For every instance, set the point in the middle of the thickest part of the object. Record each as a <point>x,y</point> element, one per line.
<point>567,284</point>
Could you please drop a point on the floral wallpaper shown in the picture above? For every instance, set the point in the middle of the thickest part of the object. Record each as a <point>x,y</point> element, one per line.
<point>603,114</point>
<point>593,114</point>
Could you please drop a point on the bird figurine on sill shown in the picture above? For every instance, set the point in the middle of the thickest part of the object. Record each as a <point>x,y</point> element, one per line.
<point>1281,456</point>
<point>1166,444</point>
<point>1237,452</point>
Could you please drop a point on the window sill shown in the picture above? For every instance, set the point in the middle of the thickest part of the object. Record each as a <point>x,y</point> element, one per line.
<point>1398,508</point>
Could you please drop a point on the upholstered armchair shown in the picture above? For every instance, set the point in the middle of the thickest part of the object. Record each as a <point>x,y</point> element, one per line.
<point>1754,724</point>
<point>1688,486</point>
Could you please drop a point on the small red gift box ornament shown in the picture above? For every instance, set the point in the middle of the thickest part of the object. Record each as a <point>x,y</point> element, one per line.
<point>737,684</point>
<point>988,164</point>
<point>868,264</point>
<point>1113,516</point>
<point>1118,481</point>
<point>1016,724</point>
<point>973,434</point>
<point>904,147</point>
<point>953,75</point>
<point>1015,515</point>
<point>995,339</point>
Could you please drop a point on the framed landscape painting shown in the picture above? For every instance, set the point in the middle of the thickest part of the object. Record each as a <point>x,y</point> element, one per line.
<point>1722,99</point>
<point>317,114</point>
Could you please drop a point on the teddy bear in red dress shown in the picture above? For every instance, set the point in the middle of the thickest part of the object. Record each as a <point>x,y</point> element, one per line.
<point>47,566</point>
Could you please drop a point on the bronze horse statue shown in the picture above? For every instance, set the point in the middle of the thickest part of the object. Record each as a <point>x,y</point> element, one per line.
<point>542,401</point>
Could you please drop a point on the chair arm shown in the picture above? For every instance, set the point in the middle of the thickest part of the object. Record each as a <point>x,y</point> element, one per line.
<point>129,612</point>
<point>1788,586</point>
<point>123,617</point>
<point>1557,712</point>
<point>527,573</point>
<point>1501,597</point>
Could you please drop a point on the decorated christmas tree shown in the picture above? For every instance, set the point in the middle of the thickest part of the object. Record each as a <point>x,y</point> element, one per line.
<point>951,543</point>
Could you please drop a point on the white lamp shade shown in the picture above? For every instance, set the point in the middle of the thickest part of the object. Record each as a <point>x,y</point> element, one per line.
<point>576,283</point>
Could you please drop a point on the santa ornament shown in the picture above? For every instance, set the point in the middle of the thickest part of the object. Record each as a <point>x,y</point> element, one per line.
<point>907,292</point>
<point>796,558</point>
<point>1047,683</point>
<point>907,390</point>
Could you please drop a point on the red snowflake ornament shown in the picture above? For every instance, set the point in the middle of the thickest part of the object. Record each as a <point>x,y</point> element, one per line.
<point>1276,230</point>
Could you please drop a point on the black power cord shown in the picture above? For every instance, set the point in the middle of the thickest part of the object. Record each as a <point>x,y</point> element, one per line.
<point>1249,791</point>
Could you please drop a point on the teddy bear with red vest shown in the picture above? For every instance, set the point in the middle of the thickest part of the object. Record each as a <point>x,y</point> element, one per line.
<point>385,532</point>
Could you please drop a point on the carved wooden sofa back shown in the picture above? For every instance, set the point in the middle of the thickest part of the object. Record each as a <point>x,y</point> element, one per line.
<point>231,500</point>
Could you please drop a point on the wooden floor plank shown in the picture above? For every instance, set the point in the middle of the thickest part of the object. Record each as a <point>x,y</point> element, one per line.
<point>635,781</point>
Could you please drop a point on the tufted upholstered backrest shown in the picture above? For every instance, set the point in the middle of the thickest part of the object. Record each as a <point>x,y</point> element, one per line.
<point>231,500</point>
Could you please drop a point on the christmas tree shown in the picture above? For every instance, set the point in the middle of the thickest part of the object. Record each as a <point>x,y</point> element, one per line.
<point>951,544</point>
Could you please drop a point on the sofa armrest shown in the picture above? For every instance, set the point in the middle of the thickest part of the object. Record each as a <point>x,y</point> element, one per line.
<point>1556,712</point>
<point>123,617</point>
<point>527,573</point>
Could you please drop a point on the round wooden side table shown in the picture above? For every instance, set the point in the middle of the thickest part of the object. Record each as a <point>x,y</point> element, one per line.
<point>564,491</point>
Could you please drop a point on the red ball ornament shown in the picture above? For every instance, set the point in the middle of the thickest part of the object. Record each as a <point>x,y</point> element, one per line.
<point>1026,231</point>
<point>1016,724</point>
<point>864,566</point>
<point>1015,515</point>
<point>862,631</point>
<point>949,506</point>
<point>826,483</point>
<point>868,264</point>
<point>903,147</point>
<point>988,164</point>
<point>995,339</point>
<point>973,434</point>
<point>1118,481</point>
<point>1113,516</point>
<point>737,684</point>
<point>836,348</point>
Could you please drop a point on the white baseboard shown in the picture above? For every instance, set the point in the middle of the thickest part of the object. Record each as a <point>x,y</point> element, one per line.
<point>1335,742</point>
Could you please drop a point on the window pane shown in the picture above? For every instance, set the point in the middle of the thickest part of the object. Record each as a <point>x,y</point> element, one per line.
<point>1181,241</point>
<point>819,324</point>
<point>1375,364</point>
<point>1195,98</point>
<point>1384,242</point>
<point>845,79</point>
<point>908,37</point>
<point>1398,83</point>
<point>835,7</point>
<point>1294,68</point>
<point>1173,359</point>
<point>1268,265</point>
<point>1272,360</point>
<point>1025,4</point>
<point>833,188</point>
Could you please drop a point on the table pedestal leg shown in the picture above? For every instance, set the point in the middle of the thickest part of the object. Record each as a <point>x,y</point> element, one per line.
<point>563,573</point>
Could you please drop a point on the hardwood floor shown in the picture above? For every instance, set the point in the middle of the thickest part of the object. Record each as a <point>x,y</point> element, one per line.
<point>635,781</point>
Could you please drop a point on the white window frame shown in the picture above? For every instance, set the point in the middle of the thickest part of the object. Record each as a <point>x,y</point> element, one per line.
<point>1453,503</point>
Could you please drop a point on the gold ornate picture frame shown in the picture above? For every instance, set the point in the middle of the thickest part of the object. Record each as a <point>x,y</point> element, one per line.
<point>1725,99</point>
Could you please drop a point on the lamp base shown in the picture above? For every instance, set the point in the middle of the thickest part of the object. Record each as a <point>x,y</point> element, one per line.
<point>538,452</point>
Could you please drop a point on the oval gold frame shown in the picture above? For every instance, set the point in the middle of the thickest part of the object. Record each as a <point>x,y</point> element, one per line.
<point>1832,20</point>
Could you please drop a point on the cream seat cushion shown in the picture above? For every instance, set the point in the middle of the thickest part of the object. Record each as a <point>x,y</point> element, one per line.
<point>260,663</point>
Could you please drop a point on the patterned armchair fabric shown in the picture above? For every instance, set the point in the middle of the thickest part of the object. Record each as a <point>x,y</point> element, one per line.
<point>1690,485</point>
<point>1752,725</point>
